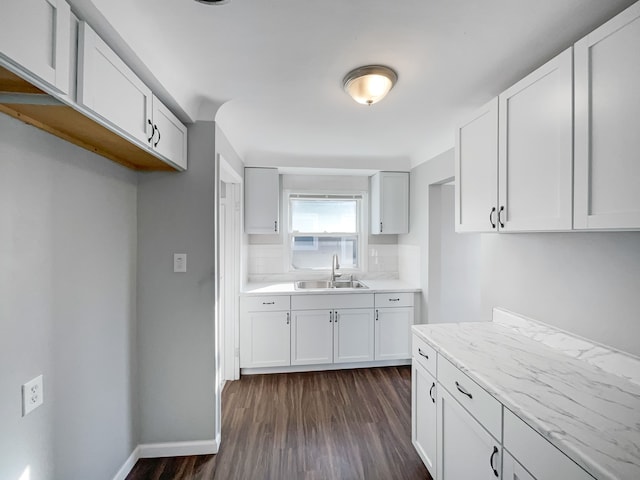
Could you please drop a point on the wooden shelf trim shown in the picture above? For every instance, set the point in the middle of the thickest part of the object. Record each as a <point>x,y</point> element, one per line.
<point>25,102</point>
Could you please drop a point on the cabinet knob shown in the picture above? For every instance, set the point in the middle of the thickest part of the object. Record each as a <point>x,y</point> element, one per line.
<point>493,210</point>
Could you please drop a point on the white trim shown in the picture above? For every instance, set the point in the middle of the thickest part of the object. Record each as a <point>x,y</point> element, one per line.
<point>173,449</point>
<point>178,449</point>
<point>128,465</point>
<point>325,367</point>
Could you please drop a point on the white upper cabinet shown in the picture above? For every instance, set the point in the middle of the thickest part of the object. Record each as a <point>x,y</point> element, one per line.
<point>607,133</point>
<point>536,150</point>
<point>169,137</point>
<point>476,158</point>
<point>35,34</point>
<point>514,156</point>
<point>108,87</point>
<point>261,200</point>
<point>390,203</point>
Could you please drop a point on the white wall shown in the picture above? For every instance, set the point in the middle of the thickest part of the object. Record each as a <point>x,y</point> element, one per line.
<point>176,214</point>
<point>413,248</point>
<point>267,257</point>
<point>586,283</point>
<point>454,263</point>
<point>67,307</point>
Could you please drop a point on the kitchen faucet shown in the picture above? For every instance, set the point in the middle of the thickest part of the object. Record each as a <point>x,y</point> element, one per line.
<point>334,266</point>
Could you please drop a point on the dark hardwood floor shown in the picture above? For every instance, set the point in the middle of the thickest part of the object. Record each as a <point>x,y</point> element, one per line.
<point>344,424</point>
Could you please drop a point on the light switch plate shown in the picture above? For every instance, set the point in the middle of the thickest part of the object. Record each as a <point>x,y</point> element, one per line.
<point>32,395</point>
<point>179,262</point>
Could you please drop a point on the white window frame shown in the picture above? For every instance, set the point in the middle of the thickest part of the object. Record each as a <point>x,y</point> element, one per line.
<point>363,233</point>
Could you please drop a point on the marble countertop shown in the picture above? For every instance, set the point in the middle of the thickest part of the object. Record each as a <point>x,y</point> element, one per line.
<point>287,288</point>
<point>591,415</point>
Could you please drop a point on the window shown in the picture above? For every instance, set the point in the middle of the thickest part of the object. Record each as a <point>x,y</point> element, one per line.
<point>321,226</point>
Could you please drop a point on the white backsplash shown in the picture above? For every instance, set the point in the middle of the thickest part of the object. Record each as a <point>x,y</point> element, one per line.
<point>269,263</point>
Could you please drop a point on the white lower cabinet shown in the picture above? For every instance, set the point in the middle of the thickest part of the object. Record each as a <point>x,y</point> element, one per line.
<point>332,336</point>
<point>512,470</point>
<point>265,332</point>
<point>312,337</point>
<point>466,450</point>
<point>469,431</point>
<point>393,333</point>
<point>265,339</point>
<point>353,334</point>
<point>423,416</point>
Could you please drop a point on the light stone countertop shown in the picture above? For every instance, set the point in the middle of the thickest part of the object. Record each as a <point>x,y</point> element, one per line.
<point>590,415</point>
<point>287,288</point>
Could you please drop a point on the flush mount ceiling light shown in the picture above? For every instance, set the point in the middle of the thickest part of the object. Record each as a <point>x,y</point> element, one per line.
<point>368,85</point>
<point>213,2</point>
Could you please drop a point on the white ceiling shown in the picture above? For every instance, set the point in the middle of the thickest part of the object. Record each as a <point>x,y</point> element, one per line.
<point>270,71</point>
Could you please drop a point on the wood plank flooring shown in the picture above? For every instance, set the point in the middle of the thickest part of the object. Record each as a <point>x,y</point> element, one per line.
<point>344,424</point>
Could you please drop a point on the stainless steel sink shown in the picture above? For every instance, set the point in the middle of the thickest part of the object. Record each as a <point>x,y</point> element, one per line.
<point>328,285</point>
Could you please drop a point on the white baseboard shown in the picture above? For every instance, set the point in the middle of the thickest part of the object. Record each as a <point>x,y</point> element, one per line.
<point>174,449</point>
<point>128,465</point>
<point>178,449</point>
<point>324,366</point>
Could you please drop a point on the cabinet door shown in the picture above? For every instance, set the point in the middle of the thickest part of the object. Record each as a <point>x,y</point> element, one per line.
<point>423,416</point>
<point>466,450</point>
<point>393,333</point>
<point>353,333</point>
<point>312,337</point>
<point>512,470</point>
<point>261,200</point>
<point>390,203</point>
<point>265,339</point>
<point>109,88</point>
<point>35,34</point>
<point>170,135</point>
<point>536,149</point>
<point>607,140</point>
<point>476,158</point>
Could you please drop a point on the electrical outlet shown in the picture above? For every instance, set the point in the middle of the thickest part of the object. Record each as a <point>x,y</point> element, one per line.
<point>180,262</point>
<point>32,395</point>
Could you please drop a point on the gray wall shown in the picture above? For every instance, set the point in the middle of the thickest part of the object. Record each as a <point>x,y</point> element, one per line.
<point>454,263</point>
<point>67,307</point>
<point>176,310</point>
<point>586,283</point>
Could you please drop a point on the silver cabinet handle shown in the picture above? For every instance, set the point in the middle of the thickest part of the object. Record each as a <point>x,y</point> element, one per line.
<point>420,352</point>
<point>288,318</point>
<point>275,226</point>
<point>462,390</point>
<point>268,303</point>
<point>376,315</point>
<point>394,299</point>
<point>433,385</point>
<point>380,227</point>
<point>500,221</point>
<point>335,317</point>
<point>330,316</point>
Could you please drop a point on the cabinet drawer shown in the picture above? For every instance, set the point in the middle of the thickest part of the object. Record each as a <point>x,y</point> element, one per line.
<point>322,301</point>
<point>394,300</point>
<point>424,354</point>
<point>486,409</point>
<point>267,303</point>
<point>541,458</point>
